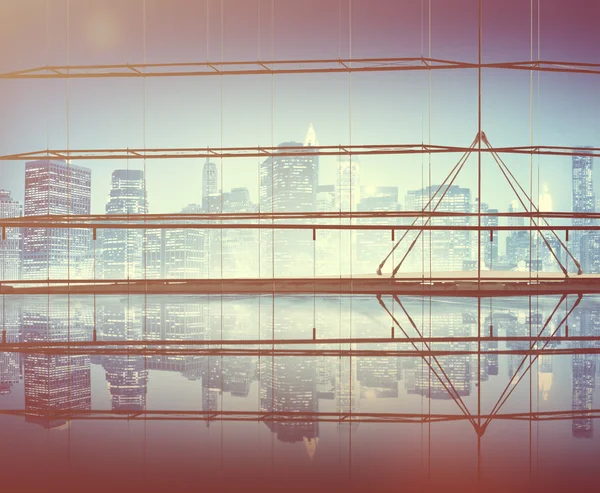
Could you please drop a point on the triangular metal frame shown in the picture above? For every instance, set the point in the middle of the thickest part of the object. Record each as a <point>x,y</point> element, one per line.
<point>520,193</point>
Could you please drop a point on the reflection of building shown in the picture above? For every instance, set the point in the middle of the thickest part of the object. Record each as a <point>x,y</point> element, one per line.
<point>54,383</point>
<point>11,242</point>
<point>288,183</point>
<point>456,367</point>
<point>123,248</point>
<point>288,384</point>
<point>127,376</point>
<point>584,374</point>
<point>10,363</point>
<point>449,249</point>
<point>54,187</point>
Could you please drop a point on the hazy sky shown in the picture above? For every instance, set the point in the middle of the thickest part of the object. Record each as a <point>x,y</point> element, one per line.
<point>370,108</point>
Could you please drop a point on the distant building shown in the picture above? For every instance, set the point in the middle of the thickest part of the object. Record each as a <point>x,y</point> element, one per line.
<point>288,183</point>
<point>55,187</point>
<point>209,184</point>
<point>240,246</point>
<point>123,249</point>
<point>449,249</point>
<point>11,244</point>
<point>373,246</point>
<point>590,252</point>
<point>583,198</point>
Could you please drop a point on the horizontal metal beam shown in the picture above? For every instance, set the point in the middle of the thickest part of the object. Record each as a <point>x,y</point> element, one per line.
<point>26,346</point>
<point>289,226</point>
<point>280,216</point>
<point>271,416</point>
<point>285,151</point>
<point>281,67</point>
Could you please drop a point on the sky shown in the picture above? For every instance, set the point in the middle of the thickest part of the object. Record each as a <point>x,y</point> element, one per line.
<point>363,108</point>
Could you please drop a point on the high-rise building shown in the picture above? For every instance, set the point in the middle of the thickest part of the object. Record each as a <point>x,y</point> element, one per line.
<point>447,250</point>
<point>209,184</point>
<point>328,241</point>
<point>288,183</point>
<point>373,246</point>
<point>240,246</point>
<point>583,198</point>
<point>122,249</point>
<point>184,250</point>
<point>11,243</point>
<point>55,187</point>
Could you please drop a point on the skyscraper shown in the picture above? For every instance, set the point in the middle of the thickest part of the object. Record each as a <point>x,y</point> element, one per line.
<point>11,243</point>
<point>373,246</point>
<point>122,249</point>
<point>287,184</point>
<point>447,250</point>
<point>184,250</point>
<point>55,187</point>
<point>583,197</point>
<point>240,246</point>
<point>209,184</point>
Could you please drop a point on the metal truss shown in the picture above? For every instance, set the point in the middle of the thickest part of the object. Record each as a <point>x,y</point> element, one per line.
<point>289,417</point>
<point>279,216</point>
<point>271,226</point>
<point>265,152</point>
<point>275,67</point>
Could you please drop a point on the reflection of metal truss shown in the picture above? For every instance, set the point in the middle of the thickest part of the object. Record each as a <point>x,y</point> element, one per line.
<point>532,354</point>
<point>323,417</point>
<point>263,152</point>
<point>274,67</point>
<point>275,352</point>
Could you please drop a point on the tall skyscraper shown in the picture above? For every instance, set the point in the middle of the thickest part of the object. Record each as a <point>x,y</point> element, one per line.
<point>240,246</point>
<point>287,184</point>
<point>447,250</point>
<point>373,246</point>
<point>489,249</point>
<point>122,249</point>
<point>10,256</point>
<point>184,250</point>
<point>583,198</point>
<point>209,184</point>
<point>55,187</point>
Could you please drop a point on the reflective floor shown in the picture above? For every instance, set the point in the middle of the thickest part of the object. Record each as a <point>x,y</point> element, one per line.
<point>263,393</point>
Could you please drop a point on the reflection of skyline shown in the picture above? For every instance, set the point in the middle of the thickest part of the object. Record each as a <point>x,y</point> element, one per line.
<point>54,382</point>
<point>307,384</point>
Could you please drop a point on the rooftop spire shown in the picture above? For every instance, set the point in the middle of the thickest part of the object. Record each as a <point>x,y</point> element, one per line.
<point>311,137</point>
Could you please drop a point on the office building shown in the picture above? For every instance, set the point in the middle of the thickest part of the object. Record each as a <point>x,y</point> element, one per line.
<point>55,188</point>
<point>11,241</point>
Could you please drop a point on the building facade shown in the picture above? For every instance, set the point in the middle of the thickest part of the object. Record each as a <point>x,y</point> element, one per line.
<point>56,188</point>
